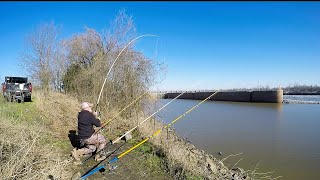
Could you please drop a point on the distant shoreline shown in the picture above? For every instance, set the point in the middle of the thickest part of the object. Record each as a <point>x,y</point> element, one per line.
<point>301,93</point>
<point>289,101</point>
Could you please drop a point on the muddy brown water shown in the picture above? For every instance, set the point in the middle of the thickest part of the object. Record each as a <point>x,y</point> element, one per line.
<point>280,138</point>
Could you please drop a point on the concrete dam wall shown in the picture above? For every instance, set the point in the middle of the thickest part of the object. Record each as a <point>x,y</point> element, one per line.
<point>275,96</point>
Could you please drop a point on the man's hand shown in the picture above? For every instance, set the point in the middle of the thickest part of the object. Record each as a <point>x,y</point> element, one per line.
<point>96,129</point>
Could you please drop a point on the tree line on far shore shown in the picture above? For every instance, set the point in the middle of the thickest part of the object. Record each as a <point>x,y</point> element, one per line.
<point>296,89</point>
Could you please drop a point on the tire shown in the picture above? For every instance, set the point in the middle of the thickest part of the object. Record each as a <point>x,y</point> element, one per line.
<point>27,99</point>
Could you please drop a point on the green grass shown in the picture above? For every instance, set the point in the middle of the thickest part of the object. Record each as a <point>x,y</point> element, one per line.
<point>193,177</point>
<point>145,156</point>
<point>56,142</point>
<point>18,111</point>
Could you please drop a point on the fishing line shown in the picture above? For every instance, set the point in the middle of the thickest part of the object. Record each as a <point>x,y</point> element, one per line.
<point>150,116</point>
<point>120,112</point>
<point>104,82</point>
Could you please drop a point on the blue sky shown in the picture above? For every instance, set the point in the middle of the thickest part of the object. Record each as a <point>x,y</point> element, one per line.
<point>212,44</point>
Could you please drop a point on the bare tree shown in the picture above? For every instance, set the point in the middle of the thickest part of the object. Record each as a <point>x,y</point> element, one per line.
<point>91,55</point>
<point>82,63</point>
<point>59,65</point>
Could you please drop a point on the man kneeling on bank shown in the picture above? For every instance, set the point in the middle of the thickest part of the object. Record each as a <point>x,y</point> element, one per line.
<point>86,132</point>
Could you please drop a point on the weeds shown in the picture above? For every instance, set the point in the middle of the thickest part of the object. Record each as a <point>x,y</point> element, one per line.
<point>24,149</point>
<point>34,143</point>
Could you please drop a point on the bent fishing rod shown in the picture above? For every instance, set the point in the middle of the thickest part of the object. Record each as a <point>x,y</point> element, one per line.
<point>113,142</point>
<point>119,138</point>
<point>104,82</point>
<point>145,140</point>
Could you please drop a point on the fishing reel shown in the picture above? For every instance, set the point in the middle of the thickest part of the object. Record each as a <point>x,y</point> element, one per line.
<point>110,169</point>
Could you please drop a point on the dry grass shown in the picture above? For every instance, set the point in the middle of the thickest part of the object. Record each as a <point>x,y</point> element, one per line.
<point>34,140</point>
<point>26,151</point>
<point>60,110</point>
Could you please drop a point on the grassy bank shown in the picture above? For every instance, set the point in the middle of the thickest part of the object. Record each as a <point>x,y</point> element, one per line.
<point>27,148</point>
<point>35,144</point>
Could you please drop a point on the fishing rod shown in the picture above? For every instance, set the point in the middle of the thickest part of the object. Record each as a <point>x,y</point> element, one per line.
<point>109,122</point>
<point>113,142</point>
<point>145,140</point>
<point>148,117</point>
<point>104,82</point>
<point>106,157</point>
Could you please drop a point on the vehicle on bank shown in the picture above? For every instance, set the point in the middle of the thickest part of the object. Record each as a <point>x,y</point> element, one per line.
<point>17,89</point>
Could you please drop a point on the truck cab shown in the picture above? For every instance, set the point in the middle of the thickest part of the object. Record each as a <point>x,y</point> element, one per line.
<point>17,89</point>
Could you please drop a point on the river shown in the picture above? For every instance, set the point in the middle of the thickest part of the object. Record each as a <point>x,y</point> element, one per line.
<point>278,138</point>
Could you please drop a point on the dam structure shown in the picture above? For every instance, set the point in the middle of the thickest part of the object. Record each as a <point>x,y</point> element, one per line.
<point>269,96</point>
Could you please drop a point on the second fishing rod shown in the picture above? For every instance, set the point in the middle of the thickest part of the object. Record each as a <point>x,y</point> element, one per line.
<point>119,138</point>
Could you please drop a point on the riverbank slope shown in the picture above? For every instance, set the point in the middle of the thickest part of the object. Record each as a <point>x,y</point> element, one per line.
<point>35,145</point>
